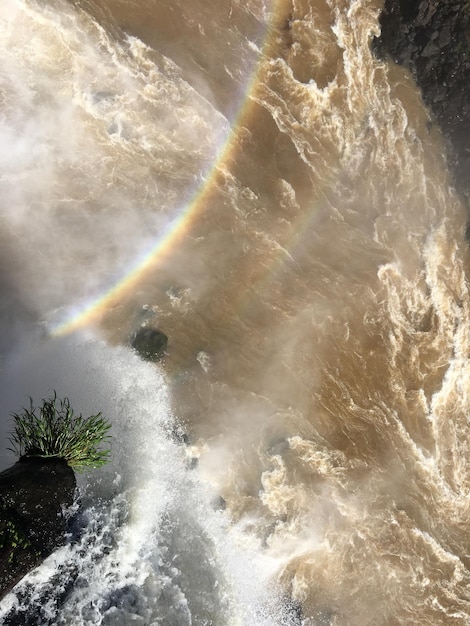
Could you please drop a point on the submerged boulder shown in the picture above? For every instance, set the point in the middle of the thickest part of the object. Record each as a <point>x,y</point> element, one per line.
<point>150,344</point>
<point>33,495</point>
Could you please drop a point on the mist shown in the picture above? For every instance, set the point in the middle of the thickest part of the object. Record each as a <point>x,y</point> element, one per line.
<point>74,153</point>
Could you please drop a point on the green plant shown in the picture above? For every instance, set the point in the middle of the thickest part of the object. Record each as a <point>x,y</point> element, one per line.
<point>13,539</point>
<point>53,431</point>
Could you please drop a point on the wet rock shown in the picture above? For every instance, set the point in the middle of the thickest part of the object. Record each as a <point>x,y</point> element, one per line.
<point>180,436</point>
<point>278,447</point>
<point>150,344</point>
<point>432,39</point>
<point>192,462</point>
<point>33,496</point>
<point>293,612</point>
<point>219,503</point>
<point>467,234</point>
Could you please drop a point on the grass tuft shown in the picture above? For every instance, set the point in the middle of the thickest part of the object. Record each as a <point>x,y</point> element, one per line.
<point>52,431</point>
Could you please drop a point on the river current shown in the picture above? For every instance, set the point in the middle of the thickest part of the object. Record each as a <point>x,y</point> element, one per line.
<point>248,178</point>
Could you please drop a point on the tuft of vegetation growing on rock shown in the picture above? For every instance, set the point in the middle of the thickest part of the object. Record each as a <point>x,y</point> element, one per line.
<point>53,431</point>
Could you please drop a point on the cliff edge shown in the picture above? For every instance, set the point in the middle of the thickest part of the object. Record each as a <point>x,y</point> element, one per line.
<point>431,38</point>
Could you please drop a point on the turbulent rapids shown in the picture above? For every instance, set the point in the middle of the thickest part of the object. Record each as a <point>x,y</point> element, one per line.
<point>249,179</point>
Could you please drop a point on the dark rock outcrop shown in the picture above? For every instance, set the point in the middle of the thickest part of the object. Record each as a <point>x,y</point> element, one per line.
<point>150,344</point>
<point>33,496</point>
<point>432,39</point>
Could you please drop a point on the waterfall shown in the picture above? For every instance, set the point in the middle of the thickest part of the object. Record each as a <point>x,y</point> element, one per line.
<point>250,180</point>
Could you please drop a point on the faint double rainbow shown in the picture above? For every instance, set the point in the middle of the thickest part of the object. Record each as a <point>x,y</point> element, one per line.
<point>92,310</point>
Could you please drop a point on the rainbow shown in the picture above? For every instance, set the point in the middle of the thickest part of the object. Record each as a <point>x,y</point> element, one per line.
<point>90,312</point>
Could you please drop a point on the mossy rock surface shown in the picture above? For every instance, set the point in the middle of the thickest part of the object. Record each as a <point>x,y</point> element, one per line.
<point>33,495</point>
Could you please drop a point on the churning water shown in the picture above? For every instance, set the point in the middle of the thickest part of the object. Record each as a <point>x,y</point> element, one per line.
<point>248,178</point>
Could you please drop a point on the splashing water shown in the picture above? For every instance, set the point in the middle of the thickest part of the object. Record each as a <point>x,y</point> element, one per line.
<point>149,545</point>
